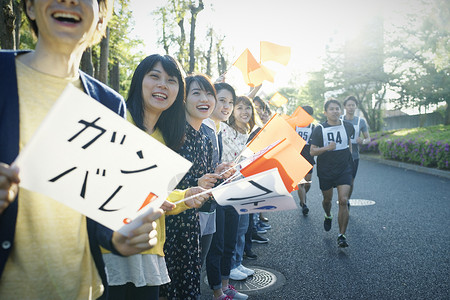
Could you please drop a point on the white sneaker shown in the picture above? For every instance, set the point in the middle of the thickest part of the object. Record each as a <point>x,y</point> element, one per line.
<point>246,271</point>
<point>233,294</point>
<point>235,274</point>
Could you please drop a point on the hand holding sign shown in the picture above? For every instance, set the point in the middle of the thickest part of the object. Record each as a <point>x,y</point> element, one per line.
<point>9,180</point>
<point>141,238</point>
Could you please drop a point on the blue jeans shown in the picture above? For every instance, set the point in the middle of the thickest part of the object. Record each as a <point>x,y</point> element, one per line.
<point>218,260</point>
<point>240,241</point>
<point>250,232</point>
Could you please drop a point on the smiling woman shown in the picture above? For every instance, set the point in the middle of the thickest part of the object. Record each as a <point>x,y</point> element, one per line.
<point>183,230</point>
<point>200,100</point>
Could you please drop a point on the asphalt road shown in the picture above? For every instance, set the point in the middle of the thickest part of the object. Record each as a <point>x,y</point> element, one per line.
<point>399,247</point>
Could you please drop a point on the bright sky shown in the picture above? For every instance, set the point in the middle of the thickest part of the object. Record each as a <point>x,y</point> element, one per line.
<point>304,25</point>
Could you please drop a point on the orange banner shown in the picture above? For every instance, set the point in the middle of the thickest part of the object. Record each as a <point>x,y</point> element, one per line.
<point>273,52</point>
<point>259,75</point>
<point>299,118</point>
<point>278,100</point>
<point>276,129</point>
<point>246,63</point>
<point>291,165</point>
<point>254,74</point>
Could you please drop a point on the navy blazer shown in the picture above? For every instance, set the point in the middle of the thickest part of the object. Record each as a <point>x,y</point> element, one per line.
<point>9,149</point>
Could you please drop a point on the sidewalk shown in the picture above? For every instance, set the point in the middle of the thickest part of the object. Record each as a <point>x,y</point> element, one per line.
<point>398,164</point>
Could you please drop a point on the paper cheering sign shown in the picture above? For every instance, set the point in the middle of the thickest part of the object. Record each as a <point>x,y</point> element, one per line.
<point>89,158</point>
<point>264,191</point>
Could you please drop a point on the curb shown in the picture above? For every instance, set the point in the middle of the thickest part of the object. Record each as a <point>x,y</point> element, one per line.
<point>398,164</point>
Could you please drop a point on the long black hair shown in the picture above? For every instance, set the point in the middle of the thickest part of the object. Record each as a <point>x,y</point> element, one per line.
<point>172,121</point>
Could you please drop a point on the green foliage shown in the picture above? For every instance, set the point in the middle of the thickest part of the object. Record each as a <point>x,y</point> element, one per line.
<point>425,146</point>
<point>357,68</point>
<point>27,39</point>
<point>423,59</point>
<point>122,46</point>
<point>174,20</point>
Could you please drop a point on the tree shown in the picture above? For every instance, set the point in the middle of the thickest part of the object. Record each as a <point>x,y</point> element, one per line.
<point>313,93</point>
<point>201,55</point>
<point>114,60</point>
<point>7,24</point>
<point>123,58</point>
<point>423,56</point>
<point>194,12</point>
<point>104,57</point>
<point>357,69</point>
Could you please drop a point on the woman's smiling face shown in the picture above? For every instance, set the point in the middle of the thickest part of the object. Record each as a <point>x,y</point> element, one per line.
<point>159,89</point>
<point>242,113</point>
<point>199,103</point>
<point>224,106</point>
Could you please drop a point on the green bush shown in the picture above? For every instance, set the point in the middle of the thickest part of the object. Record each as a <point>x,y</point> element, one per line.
<point>375,138</point>
<point>428,146</point>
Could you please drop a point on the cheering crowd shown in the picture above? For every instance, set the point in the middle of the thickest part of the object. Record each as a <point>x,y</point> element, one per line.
<point>49,251</point>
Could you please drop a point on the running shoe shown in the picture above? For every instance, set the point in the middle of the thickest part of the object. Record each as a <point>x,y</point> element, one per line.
<point>260,230</point>
<point>263,225</point>
<point>342,241</point>
<point>305,210</point>
<point>245,270</point>
<point>235,274</point>
<point>259,239</point>
<point>231,291</point>
<point>327,223</point>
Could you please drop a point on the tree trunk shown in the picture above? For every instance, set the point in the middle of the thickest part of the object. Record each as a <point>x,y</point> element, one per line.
<point>209,54</point>
<point>164,31</point>
<point>18,15</point>
<point>7,25</point>
<point>104,57</point>
<point>115,75</point>
<point>86,62</point>
<point>181,42</point>
<point>194,13</point>
<point>95,61</point>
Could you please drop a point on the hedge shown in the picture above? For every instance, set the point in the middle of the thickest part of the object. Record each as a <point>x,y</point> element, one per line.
<point>428,146</point>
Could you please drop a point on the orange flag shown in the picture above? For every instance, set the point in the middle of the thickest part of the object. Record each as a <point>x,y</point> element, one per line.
<point>254,74</point>
<point>300,118</point>
<point>259,75</point>
<point>291,165</point>
<point>278,100</point>
<point>274,52</point>
<point>276,129</point>
<point>246,63</point>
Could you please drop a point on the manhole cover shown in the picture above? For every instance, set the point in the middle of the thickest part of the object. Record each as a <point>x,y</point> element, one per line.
<point>262,279</point>
<point>360,202</point>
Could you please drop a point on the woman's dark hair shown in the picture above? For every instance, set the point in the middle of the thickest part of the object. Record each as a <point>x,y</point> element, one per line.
<point>260,101</point>
<point>172,121</point>
<point>203,82</point>
<point>225,86</point>
<point>251,123</point>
